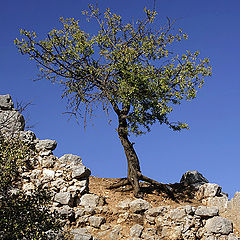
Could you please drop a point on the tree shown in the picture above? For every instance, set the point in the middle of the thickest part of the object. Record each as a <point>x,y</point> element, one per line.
<point>127,67</point>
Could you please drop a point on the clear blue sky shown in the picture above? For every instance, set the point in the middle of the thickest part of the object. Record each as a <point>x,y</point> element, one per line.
<point>211,146</point>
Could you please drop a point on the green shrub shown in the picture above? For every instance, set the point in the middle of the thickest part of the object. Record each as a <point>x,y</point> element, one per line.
<point>22,216</point>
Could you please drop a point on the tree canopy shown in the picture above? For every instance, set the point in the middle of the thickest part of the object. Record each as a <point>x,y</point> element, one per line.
<point>135,68</point>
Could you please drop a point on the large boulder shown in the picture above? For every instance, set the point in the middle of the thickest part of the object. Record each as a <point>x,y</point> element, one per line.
<point>193,178</point>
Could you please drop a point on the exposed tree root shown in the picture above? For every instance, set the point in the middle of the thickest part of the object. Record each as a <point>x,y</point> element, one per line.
<point>158,186</point>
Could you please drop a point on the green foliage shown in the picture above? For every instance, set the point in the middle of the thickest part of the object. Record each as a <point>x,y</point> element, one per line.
<point>21,216</point>
<point>129,66</point>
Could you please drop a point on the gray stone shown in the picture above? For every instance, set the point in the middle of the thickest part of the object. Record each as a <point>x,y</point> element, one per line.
<point>46,144</point>
<point>48,174</point>
<point>178,213</point>
<point>192,177</point>
<point>219,225</point>
<point>66,211</point>
<point>209,190</point>
<point>80,171</point>
<point>6,102</point>
<point>11,122</point>
<point>95,221</point>
<point>204,211</point>
<point>124,205</point>
<point>27,136</point>
<point>71,159</point>
<point>115,234</point>
<point>89,200</point>
<point>139,205</point>
<point>156,211</point>
<point>63,198</point>
<point>81,234</point>
<point>136,230</point>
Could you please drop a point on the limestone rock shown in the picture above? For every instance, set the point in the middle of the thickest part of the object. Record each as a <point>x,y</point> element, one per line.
<point>139,205</point>
<point>96,221</point>
<point>203,211</point>
<point>89,200</point>
<point>219,225</point>
<point>209,190</point>
<point>63,198</point>
<point>80,171</point>
<point>136,230</point>
<point>11,122</point>
<point>71,159</point>
<point>46,144</point>
<point>6,102</point>
<point>81,234</point>
<point>193,177</point>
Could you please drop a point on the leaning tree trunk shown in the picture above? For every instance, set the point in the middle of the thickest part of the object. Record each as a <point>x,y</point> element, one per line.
<point>134,172</point>
<point>132,160</point>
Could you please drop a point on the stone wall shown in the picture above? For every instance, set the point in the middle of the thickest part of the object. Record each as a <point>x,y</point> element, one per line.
<point>88,216</point>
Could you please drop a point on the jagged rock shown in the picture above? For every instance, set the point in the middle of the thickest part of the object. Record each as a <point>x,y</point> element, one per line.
<point>89,200</point>
<point>46,144</point>
<point>27,136</point>
<point>177,213</point>
<point>64,198</point>
<point>96,221</point>
<point>156,211</point>
<point>81,234</point>
<point>219,225</point>
<point>139,205</point>
<point>124,205</point>
<point>115,234</point>
<point>11,122</point>
<point>209,190</point>
<point>48,174</point>
<point>6,102</point>
<point>136,230</point>
<point>71,159</point>
<point>203,211</point>
<point>66,212</point>
<point>193,177</point>
<point>80,171</point>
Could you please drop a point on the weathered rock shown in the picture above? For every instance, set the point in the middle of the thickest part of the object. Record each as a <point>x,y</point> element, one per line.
<point>124,205</point>
<point>81,234</point>
<point>89,200</point>
<point>48,174</point>
<point>96,221</point>
<point>46,144</point>
<point>11,122</point>
<point>80,171</point>
<point>203,211</point>
<point>136,230</point>
<point>71,159</point>
<point>115,234</point>
<point>66,212</point>
<point>27,136</point>
<point>6,102</point>
<point>219,225</point>
<point>209,190</point>
<point>139,205</point>
<point>193,177</point>
<point>63,198</point>
<point>156,211</point>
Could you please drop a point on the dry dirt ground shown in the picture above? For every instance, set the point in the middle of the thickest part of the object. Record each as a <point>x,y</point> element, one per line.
<point>99,186</point>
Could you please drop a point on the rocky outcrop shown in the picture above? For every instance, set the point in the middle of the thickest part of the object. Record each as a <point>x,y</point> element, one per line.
<point>11,121</point>
<point>88,216</point>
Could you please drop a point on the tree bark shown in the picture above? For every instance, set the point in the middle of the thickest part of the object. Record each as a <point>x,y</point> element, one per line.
<point>132,160</point>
